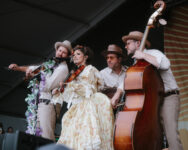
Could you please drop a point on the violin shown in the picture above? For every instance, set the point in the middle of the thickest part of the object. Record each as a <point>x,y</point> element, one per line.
<point>71,77</point>
<point>36,72</point>
<point>57,61</point>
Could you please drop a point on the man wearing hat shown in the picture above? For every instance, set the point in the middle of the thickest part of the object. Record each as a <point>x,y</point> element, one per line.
<point>170,107</point>
<point>114,74</point>
<point>46,114</point>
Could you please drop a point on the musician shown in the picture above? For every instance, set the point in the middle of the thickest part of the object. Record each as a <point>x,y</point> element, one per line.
<point>46,115</point>
<point>88,123</point>
<point>114,74</point>
<point>170,107</point>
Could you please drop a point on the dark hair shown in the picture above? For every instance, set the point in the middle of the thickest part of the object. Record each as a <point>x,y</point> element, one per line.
<point>10,128</point>
<point>86,51</point>
<point>1,126</point>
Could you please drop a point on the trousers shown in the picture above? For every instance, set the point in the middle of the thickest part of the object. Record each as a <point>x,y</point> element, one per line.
<point>169,114</point>
<point>47,119</point>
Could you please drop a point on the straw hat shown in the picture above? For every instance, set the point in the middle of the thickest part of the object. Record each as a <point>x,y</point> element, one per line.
<point>135,35</point>
<point>66,44</point>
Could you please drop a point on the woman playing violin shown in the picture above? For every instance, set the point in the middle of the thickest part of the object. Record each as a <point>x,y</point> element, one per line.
<point>88,123</point>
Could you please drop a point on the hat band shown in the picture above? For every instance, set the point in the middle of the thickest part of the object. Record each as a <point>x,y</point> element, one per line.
<point>114,52</point>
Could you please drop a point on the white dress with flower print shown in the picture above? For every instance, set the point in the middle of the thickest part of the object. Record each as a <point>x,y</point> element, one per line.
<point>88,124</point>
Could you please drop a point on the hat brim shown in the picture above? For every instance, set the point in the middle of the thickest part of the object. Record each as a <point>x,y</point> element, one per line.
<point>57,44</point>
<point>105,53</point>
<point>128,37</point>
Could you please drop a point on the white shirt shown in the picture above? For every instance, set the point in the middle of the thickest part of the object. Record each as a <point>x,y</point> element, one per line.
<point>52,81</point>
<point>112,79</point>
<point>164,69</point>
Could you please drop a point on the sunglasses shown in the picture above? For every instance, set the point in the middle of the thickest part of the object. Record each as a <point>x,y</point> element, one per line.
<point>110,57</point>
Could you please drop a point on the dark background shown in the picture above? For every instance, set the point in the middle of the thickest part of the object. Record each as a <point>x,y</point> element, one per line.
<point>29,29</point>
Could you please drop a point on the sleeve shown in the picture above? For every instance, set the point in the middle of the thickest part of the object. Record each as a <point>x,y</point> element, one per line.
<point>59,75</point>
<point>121,86</point>
<point>163,61</point>
<point>32,67</point>
<point>102,78</point>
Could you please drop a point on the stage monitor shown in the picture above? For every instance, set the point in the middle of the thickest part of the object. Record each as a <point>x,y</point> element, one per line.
<point>1,140</point>
<point>22,141</point>
<point>54,147</point>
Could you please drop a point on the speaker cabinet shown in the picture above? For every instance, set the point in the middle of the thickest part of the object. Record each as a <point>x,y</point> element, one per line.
<point>54,147</point>
<point>1,140</point>
<point>22,141</point>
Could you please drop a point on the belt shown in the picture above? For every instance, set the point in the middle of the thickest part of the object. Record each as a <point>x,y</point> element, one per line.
<point>171,93</point>
<point>46,101</point>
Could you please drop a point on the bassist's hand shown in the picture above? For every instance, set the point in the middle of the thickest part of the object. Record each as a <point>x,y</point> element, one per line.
<point>139,55</point>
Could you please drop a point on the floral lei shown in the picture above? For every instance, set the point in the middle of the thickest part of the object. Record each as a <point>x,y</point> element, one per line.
<point>33,125</point>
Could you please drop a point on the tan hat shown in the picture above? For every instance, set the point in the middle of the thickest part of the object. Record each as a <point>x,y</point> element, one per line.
<point>113,49</point>
<point>135,35</point>
<point>66,44</point>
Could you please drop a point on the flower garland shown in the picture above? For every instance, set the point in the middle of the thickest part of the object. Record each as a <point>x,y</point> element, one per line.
<point>33,126</point>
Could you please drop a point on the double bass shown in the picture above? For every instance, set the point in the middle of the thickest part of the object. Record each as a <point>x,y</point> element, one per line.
<point>137,125</point>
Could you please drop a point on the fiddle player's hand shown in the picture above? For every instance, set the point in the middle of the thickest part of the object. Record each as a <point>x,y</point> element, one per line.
<point>138,55</point>
<point>13,66</point>
<point>61,84</point>
<point>29,73</point>
<point>55,91</point>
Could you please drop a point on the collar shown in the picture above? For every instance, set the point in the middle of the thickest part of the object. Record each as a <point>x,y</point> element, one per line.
<point>123,69</point>
<point>145,50</point>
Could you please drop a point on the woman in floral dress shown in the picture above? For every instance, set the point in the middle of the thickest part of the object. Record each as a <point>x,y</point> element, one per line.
<point>88,123</point>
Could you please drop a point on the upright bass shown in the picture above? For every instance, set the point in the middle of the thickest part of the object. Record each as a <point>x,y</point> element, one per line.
<point>137,125</point>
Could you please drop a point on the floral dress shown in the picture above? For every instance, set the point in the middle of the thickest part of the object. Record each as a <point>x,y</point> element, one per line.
<point>88,124</point>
